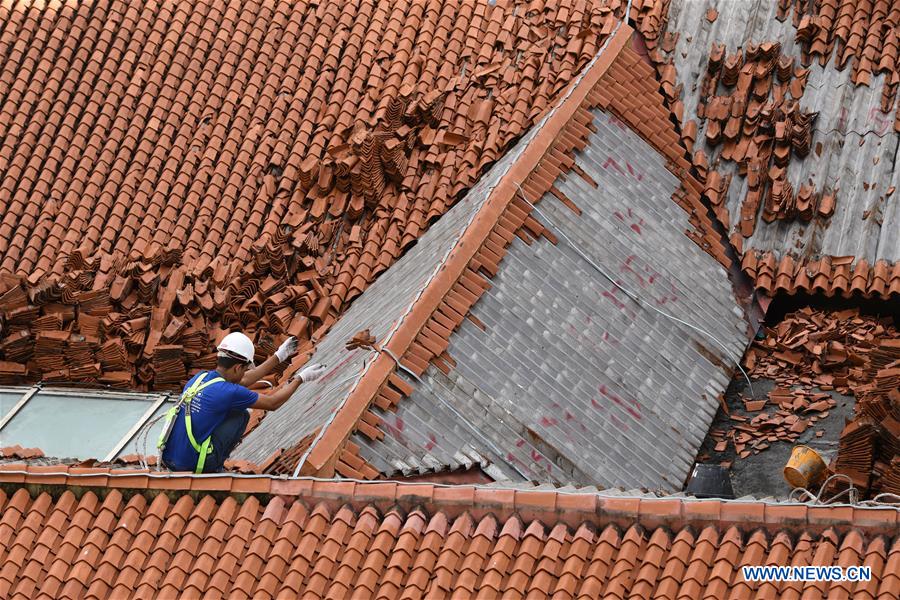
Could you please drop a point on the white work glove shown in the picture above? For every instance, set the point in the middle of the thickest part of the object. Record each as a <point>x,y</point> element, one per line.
<point>311,373</point>
<point>286,349</point>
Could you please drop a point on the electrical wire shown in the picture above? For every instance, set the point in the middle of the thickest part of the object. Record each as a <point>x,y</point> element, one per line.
<point>629,293</point>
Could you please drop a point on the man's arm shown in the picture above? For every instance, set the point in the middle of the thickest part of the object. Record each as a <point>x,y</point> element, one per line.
<point>254,375</point>
<point>284,352</point>
<point>276,399</point>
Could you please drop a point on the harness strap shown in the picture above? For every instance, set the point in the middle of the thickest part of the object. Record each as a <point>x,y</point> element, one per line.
<point>205,448</point>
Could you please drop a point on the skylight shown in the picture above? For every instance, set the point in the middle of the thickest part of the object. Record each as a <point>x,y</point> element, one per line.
<point>80,424</point>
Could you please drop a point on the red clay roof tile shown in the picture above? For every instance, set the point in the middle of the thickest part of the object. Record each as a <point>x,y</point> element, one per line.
<point>192,177</point>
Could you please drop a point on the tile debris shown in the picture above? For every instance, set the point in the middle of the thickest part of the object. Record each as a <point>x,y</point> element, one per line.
<point>845,351</point>
<point>792,412</point>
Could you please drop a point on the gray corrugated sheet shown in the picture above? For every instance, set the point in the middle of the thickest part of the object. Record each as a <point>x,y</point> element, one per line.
<point>617,395</point>
<point>378,309</point>
<point>858,143</point>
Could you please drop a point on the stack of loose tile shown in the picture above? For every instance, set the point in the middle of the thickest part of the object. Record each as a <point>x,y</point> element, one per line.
<point>168,366</point>
<point>18,347</point>
<point>204,362</point>
<point>112,355</point>
<point>194,342</point>
<point>12,373</point>
<point>856,452</point>
<point>81,350</point>
<point>121,380</point>
<point>888,480</point>
<point>49,350</point>
<point>807,203</point>
<point>85,373</point>
<point>96,303</point>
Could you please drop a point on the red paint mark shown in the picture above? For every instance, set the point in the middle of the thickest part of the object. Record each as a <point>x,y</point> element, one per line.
<point>331,372</point>
<point>627,267</point>
<point>638,176</point>
<point>596,404</point>
<point>535,456</point>
<point>619,215</point>
<point>883,123</point>
<point>569,416</point>
<point>636,228</point>
<point>548,421</point>
<point>520,443</point>
<point>587,340</point>
<point>611,161</point>
<point>432,442</point>
<point>609,295</point>
<point>400,424</point>
<point>619,423</point>
<point>394,431</point>
<point>634,403</point>
<point>614,120</point>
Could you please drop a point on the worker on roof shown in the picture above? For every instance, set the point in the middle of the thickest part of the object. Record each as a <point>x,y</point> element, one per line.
<point>212,415</point>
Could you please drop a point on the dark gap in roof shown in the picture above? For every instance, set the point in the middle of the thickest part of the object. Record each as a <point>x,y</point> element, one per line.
<point>784,304</point>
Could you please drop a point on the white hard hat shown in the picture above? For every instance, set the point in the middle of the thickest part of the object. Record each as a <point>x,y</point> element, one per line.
<point>236,345</point>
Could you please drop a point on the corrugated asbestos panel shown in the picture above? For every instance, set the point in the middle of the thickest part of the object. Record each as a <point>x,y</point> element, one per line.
<point>854,144</point>
<point>616,394</point>
<point>450,423</point>
<point>378,309</point>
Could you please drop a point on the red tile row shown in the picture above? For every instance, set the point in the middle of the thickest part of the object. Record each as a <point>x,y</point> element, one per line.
<point>829,275</point>
<point>329,539</point>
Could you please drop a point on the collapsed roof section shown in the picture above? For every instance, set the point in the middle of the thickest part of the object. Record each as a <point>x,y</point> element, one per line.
<point>629,391</point>
<point>793,108</point>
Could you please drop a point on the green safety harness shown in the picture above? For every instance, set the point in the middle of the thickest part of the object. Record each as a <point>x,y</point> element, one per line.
<point>206,447</point>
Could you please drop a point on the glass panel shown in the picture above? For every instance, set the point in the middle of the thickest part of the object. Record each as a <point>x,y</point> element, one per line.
<point>8,399</point>
<point>148,448</point>
<point>72,425</point>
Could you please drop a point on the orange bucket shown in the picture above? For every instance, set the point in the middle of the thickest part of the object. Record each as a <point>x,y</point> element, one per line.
<point>804,468</point>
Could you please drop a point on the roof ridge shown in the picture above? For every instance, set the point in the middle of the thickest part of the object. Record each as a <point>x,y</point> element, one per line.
<point>323,453</point>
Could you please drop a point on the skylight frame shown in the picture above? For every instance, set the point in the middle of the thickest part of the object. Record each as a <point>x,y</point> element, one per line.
<point>152,400</point>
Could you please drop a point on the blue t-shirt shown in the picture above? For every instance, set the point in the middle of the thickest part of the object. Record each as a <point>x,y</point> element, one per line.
<point>208,409</point>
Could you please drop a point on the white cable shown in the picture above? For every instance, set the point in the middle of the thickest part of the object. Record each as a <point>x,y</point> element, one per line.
<point>632,295</point>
